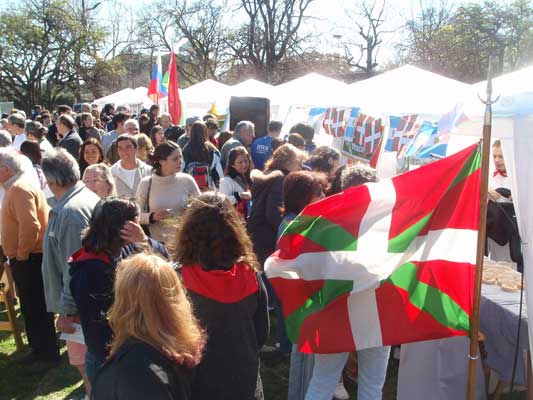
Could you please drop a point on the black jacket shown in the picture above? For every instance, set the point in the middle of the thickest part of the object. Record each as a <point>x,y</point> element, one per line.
<point>91,285</point>
<point>266,215</point>
<point>139,372</point>
<point>231,304</point>
<point>72,142</point>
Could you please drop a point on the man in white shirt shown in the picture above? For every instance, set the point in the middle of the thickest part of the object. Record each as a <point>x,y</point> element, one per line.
<point>129,170</point>
<point>16,125</point>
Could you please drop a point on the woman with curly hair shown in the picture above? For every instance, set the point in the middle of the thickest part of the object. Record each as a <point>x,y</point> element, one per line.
<point>237,182</point>
<point>157,340</point>
<point>219,270</point>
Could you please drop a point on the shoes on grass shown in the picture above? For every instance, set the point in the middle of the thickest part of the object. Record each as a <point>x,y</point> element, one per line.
<point>340,392</point>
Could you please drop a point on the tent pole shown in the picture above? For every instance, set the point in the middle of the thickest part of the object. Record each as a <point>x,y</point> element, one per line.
<point>473,355</point>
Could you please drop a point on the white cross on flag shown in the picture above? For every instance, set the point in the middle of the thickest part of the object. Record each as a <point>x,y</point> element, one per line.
<point>368,133</point>
<point>334,123</point>
<point>401,132</point>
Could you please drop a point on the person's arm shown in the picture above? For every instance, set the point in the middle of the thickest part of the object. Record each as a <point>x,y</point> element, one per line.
<point>193,188</point>
<point>24,203</point>
<point>261,317</point>
<point>217,171</point>
<point>227,188</point>
<point>142,198</point>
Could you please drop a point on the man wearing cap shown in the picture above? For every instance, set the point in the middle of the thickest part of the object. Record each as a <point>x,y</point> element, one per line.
<point>36,133</point>
<point>184,139</point>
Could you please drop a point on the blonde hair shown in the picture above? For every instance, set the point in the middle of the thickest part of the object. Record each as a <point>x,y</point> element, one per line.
<point>143,141</point>
<point>283,157</point>
<point>151,305</point>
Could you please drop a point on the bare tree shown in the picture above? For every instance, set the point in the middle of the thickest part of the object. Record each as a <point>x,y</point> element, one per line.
<point>271,33</point>
<point>369,28</point>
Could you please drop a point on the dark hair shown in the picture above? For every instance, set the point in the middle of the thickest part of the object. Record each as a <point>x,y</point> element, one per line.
<point>306,130</point>
<point>120,117</point>
<point>67,120</point>
<point>161,152</point>
<point>81,160</point>
<point>62,109</point>
<point>355,175</point>
<point>335,185</point>
<point>276,142</point>
<point>299,188</point>
<point>199,148</point>
<point>223,137</point>
<point>322,159</point>
<point>230,171</point>
<point>127,137</point>
<point>154,107</point>
<point>32,150</point>
<point>107,219</point>
<point>174,132</point>
<point>275,126</point>
<point>212,233</point>
<point>296,140</point>
<point>497,143</point>
<point>153,131</point>
<point>209,116</point>
<point>211,123</point>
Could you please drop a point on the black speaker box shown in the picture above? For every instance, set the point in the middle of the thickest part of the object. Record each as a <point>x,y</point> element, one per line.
<point>255,109</point>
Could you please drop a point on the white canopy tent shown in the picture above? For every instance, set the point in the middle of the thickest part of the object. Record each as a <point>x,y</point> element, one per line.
<point>407,90</point>
<point>135,98</point>
<point>513,125</point>
<point>252,88</point>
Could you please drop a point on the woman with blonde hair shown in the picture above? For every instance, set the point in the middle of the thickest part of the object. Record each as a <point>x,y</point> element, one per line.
<point>157,340</point>
<point>145,148</point>
<point>219,270</point>
<point>98,178</point>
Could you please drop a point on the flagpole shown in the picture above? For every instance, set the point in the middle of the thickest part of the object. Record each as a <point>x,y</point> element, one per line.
<point>473,355</point>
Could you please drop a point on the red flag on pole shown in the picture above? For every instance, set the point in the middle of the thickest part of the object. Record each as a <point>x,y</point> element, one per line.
<point>174,103</point>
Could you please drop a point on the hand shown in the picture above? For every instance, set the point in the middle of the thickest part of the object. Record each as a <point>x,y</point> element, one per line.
<point>64,324</point>
<point>494,195</point>
<point>161,214</point>
<point>132,232</point>
<point>245,196</point>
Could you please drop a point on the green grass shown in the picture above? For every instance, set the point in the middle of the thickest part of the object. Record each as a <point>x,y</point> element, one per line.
<point>63,382</point>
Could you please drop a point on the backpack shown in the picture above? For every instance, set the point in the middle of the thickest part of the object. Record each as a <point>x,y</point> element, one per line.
<point>201,172</point>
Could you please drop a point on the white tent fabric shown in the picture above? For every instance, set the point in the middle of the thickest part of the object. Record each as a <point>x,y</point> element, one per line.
<point>407,90</point>
<point>206,91</point>
<point>252,88</point>
<point>513,125</point>
<point>311,89</point>
<point>135,98</point>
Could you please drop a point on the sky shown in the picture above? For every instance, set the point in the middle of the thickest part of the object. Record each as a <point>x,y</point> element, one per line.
<point>329,19</point>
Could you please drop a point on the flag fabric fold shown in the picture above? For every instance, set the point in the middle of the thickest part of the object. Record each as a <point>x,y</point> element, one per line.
<point>157,90</point>
<point>383,263</point>
<point>174,102</point>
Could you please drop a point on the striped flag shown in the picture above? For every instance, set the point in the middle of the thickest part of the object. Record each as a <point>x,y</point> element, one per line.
<point>363,138</point>
<point>383,263</point>
<point>333,122</point>
<point>401,131</point>
<point>156,90</point>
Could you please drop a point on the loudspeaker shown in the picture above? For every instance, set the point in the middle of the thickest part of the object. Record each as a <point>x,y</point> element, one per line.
<point>255,109</point>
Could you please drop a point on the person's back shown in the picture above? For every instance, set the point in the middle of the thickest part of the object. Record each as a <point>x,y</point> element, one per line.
<point>227,303</point>
<point>261,151</point>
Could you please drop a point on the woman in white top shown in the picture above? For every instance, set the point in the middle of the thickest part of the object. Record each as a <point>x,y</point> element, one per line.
<point>237,182</point>
<point>164,195</point>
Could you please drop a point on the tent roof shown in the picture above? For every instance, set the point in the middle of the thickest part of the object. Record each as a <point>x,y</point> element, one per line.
<point>311,89</point>
<point>515,90</point>
<point>205,92</point>
<point>407,90</point>
<point>253,88</point>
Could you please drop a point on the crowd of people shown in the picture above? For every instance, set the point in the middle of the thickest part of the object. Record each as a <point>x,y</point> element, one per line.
<point>152,238</point>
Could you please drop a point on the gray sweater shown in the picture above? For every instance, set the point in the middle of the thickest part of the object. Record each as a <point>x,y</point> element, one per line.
<point>68,218</point>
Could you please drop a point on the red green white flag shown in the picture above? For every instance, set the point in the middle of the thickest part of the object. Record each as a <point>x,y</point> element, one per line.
<point>383,263</point>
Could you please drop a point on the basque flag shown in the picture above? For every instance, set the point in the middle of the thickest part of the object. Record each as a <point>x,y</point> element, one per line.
<point>156,90</point>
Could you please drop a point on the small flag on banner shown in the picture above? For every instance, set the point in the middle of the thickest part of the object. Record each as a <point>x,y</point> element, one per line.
<point>334,123</point>
<point>401,131</point>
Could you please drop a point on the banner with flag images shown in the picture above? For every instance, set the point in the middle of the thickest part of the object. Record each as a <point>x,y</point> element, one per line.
<point>401,131</point>
<point>335,120</point>
<point>363,136</point>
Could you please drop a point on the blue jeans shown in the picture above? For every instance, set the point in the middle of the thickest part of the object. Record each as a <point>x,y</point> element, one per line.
<point>93,363</point>
<point>300,373</point>
<point>372,366</point>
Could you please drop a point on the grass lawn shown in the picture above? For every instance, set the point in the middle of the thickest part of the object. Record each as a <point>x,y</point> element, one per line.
<point>63,382</point>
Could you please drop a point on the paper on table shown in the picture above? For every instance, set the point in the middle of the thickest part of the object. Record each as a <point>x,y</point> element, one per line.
<point>77,336</point>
